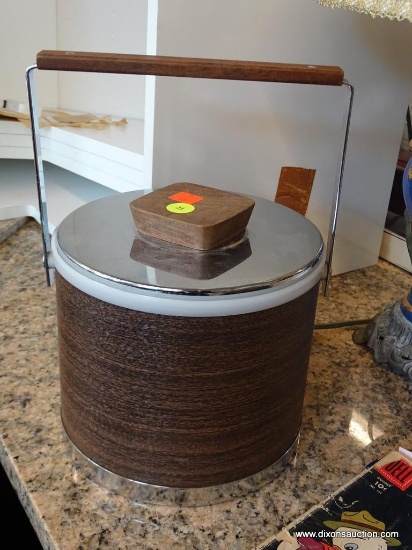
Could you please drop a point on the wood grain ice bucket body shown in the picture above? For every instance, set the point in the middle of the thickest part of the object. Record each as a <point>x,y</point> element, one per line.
<point>184,371</point>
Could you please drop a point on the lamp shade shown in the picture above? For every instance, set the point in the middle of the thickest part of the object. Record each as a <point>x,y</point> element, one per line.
<point>393,9</point>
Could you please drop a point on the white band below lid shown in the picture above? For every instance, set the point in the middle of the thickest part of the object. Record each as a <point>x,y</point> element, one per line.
<point>184,306</point>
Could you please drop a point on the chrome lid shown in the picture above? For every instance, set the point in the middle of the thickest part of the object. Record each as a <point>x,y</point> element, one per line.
<point>278,247</point>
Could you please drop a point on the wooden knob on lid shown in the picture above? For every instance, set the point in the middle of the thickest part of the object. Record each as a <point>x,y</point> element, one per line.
<point>192,215</point>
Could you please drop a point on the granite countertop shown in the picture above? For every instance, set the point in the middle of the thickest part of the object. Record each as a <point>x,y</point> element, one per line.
<point>354,412</point>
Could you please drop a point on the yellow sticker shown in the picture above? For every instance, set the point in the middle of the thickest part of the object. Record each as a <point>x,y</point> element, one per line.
<point>180,207</point>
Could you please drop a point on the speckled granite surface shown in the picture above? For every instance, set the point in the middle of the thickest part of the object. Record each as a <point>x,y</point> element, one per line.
<point>354,412</point>
<point>10,226</point>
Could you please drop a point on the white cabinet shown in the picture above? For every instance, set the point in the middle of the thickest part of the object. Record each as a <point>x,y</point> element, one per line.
<point>65,191</point>
<point>240,136</point>
<point>112,158</point>
<point>80,165</point>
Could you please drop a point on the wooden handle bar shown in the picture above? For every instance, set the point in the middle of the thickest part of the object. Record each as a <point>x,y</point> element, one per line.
<point>56,60</point>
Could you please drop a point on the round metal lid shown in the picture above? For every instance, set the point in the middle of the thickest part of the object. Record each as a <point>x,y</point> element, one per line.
<point>279,246</point>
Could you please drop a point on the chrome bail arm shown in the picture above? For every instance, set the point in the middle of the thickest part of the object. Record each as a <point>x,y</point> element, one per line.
<point>336,201</point>
<point>38,163</point>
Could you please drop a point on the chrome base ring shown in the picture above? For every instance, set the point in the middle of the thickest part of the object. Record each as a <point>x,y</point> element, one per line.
<point>175,496</point>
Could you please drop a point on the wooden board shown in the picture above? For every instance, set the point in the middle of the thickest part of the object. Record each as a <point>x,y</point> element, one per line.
<point>192,215</point>
<point>294,188</point>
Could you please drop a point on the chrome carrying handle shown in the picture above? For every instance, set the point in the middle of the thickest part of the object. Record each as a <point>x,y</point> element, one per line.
<point>223,69</point>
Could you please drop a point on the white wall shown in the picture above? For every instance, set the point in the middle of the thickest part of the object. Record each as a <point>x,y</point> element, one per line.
<point>102,26</point>
<point>25,29</point>
<point>95,25</point>
<point>237,136</point>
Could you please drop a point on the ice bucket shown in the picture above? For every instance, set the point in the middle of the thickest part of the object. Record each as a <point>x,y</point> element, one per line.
<point>177,379</point>
<point>183,371</point>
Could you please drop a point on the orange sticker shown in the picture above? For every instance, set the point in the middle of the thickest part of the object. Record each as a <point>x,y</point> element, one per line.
<point>185,197</point>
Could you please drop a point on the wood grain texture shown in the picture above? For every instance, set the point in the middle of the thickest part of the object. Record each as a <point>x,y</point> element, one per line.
<point>217,216</point>
<point>189,67</point>
<point>177,401</point>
